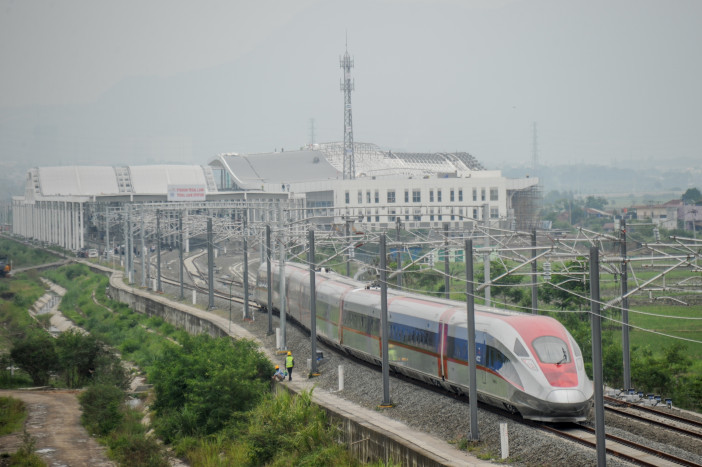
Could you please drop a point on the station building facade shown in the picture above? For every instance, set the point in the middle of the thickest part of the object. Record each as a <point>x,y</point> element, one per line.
<point>418,190</point>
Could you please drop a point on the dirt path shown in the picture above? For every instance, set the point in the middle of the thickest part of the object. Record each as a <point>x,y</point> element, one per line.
<point>54,422</point>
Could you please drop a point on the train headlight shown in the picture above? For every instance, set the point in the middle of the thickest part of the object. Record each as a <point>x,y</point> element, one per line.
<point>530,363</point>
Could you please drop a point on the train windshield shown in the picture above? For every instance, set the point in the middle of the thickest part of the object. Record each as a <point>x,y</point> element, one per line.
<point>551,349</point>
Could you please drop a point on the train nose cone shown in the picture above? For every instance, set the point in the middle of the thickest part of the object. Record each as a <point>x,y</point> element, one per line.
<point>566,396</point>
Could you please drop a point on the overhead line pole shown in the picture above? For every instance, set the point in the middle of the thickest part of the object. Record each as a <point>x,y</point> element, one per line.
<point>596,324</point>
<point>626,359</point>
<point>471,353</point>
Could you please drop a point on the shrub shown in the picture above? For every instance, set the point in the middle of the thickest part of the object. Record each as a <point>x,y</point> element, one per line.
<point>101,406</point>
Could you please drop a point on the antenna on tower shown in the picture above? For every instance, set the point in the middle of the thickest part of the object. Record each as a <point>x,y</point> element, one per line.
<point>534,153</point>
<point>347,85</point>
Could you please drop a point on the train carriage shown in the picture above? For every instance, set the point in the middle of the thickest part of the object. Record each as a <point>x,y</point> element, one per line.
<point>526,363</point>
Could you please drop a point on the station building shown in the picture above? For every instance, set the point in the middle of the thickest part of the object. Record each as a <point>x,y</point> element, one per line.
<point>71,206</point>
<point>418,190</point>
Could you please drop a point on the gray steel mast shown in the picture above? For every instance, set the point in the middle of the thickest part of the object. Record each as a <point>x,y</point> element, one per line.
<point>347,85</point>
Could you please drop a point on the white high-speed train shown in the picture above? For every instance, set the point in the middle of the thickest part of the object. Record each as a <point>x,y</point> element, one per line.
<point>525,363</point>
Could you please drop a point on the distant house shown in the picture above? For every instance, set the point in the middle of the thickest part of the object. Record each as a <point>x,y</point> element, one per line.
<point>662,215</point>
<point>592,212</point>
<point>691,216</point>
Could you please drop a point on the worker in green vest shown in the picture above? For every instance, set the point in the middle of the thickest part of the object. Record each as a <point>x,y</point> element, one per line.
<point>289,364</point>
<point>392,353</point>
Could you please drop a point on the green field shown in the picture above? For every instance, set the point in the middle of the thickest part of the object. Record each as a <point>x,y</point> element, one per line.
<point>671,326</point>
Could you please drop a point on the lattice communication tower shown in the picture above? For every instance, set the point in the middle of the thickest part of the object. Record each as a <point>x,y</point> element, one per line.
<point>347,86</point>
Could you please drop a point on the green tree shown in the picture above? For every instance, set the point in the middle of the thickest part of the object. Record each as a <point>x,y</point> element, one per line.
<point>507,286</point>
<point>76,353</point>
<point>569,288</point>
<point>596,202</point>
<point>83,359</point>
<point>36,355</point>
<point>691,196</point>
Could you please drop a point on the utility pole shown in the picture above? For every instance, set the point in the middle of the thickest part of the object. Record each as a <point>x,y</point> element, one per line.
<point>471,355</point>
<point>447,272</point>
<point>107,230</point>
<point>269,279</point>
<point>313,303</point>
<point>246,268</point>
<point>143,253</point>
<point>596,324</point>
<point>159,288</point>
<point>398,226</point>
<point>348,253</point>
<point>384,322</point>
<point>132,271</point>
<point>210,264</point>
<point>180,253</point>
<point>534,272</point>
<point>486,255</point>
<point>625,307</point>
<point>283,305</point>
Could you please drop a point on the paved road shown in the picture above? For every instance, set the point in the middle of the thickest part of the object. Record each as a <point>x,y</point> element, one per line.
<point>54,422</point>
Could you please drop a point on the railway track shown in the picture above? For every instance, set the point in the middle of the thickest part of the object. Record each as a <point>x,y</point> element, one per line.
<point>661,419</point>
<point>620,447</point>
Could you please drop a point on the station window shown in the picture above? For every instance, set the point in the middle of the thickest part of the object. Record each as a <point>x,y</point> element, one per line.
<point>438,196</point>
<point>493,193</point>
<point>406,196</point>
<point>460,194</point>
<point>347,197</point>
<point>431,196</point>
<point>391,196</point>
<point>360,197</point>
<point>377,196</point>
<point>494,213</point>
<point>475,194</point>
<point>451,195</point>
<point>416,196</point>
<point>482,194</point>
<point>368,198</point>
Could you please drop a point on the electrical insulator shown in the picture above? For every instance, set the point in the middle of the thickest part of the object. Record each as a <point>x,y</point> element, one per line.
<point>657,234</point>
<point>547,271</point>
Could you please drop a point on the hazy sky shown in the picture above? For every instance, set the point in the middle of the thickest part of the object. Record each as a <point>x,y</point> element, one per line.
<point>137,81</point>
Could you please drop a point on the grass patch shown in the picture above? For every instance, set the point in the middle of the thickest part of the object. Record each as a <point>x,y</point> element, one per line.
<point>25,456</point>
<point>13,413</point>
<point>683,328</point>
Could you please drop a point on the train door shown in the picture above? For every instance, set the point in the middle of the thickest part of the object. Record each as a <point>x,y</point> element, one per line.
<point>443,343</point>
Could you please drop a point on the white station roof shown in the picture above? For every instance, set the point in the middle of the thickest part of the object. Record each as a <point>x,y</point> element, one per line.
<point>98,180</point>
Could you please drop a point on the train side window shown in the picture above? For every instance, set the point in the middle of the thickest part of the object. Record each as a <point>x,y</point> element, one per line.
<point>519,349</point>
